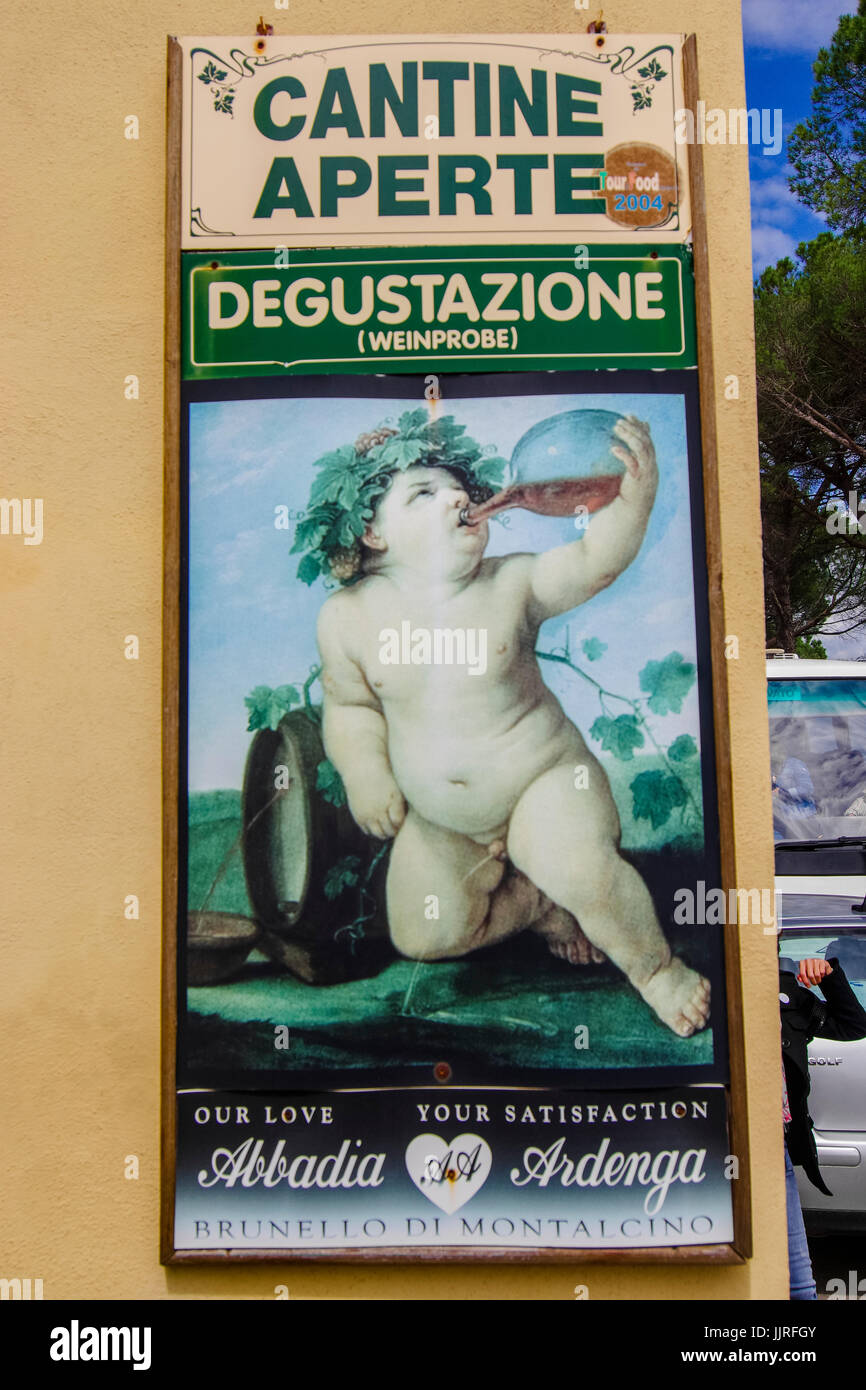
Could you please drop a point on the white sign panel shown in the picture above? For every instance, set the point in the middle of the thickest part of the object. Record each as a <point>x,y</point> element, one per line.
<point>304,141</point>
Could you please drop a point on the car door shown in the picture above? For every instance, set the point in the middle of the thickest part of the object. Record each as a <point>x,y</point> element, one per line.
<point>837,1071</point>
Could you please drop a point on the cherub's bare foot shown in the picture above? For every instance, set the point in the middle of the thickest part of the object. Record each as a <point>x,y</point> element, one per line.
<point>496,849</point>
<point>564,937</point>
<point>680,997</point>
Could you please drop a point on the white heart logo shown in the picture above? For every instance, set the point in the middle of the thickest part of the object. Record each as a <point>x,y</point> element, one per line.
<point>449,1174</point>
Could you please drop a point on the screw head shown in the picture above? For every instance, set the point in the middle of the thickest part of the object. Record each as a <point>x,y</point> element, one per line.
<point>442,1072</point>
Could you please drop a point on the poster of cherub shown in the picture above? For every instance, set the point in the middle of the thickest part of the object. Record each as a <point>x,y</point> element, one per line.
<point>449,755</point>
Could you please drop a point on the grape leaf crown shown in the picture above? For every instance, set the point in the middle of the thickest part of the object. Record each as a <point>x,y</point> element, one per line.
<point>352,480</point>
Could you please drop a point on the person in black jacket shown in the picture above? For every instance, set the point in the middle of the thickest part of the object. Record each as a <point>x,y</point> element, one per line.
<point>804,1016</point>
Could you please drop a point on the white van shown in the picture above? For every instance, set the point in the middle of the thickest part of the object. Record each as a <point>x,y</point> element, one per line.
<point>818,764</point>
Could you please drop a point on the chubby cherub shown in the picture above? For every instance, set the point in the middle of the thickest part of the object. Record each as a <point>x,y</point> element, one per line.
<point>471,768</point>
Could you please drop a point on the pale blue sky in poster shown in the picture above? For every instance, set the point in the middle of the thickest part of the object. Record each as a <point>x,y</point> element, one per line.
<point>251,622</point>
<point>781,40</point>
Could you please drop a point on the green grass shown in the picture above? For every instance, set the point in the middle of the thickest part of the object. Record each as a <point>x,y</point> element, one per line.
<point>514,1004</point>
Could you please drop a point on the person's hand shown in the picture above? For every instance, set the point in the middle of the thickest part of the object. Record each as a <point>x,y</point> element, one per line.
<point>378,806</point>
<point>813,970</point>
<point>637,452</point>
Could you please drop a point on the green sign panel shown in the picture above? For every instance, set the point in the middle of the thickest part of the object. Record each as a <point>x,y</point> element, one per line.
<point>522,308</point>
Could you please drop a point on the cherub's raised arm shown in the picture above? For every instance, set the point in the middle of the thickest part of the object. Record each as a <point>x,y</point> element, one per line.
<point>568,575</point>
<point>354,731</point>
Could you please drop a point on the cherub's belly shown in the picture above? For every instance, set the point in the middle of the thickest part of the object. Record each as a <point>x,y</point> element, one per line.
<point>471,782</point>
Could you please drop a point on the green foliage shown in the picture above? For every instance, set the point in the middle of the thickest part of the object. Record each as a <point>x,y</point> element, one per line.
<point>592,648</point>
<point>620,736</point>
<point>640,98</point>
<point>667,683</point>
<point>330,783</point>
<point>211,73</point>
<point>811,360</point>
<point>655,795</point>
<point>653,70</point>
<point>811,648</point>
<point>346,873</point>
<point>267,706</point>
<point>682,749</point>
<point>309,569</point>
<point>828,151</point>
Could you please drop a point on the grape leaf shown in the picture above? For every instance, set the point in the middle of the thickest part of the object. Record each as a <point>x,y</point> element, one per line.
<point>412,420</point>
<point>682,749</point>
<point>667,683</point>
<point>489,470</point>
<point>343,874</point>
<point>308,533</point>
<point>267,706</point>
<point>592,648</point>
<point>620,736</point>
<point>330,783</point>
<point>309,569</point>
<point>399,453</point>
<point>350,488</point>
<point>328,485</point>
<point>654,796</point>
<point>347,531</point>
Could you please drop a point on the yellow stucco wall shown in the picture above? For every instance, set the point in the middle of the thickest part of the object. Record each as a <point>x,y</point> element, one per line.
<point>81,807</point>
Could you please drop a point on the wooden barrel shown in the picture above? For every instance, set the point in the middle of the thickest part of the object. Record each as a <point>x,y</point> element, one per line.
<point>295,843</point>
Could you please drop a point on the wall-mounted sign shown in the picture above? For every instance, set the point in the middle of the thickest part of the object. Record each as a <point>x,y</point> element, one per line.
<point>467,1170</point>
<point>447,814</point>
<point>385,140</point>
<point>467,307</point>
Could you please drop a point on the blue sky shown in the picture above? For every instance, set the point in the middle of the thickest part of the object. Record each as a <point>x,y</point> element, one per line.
<point>781,40</point>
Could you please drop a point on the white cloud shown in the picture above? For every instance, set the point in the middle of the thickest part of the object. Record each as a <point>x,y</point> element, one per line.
<point>770,244</point>
<point>245,566</point>
<point>773,201</point>
<point>238,479</point>
<point>237,558</point>
<point>849,646</point>
<point>795,26</point>
<point>230,449</point>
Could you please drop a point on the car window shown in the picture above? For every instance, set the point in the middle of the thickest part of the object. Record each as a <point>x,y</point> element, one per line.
<point>849,949</point>
<point>818,758</point>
